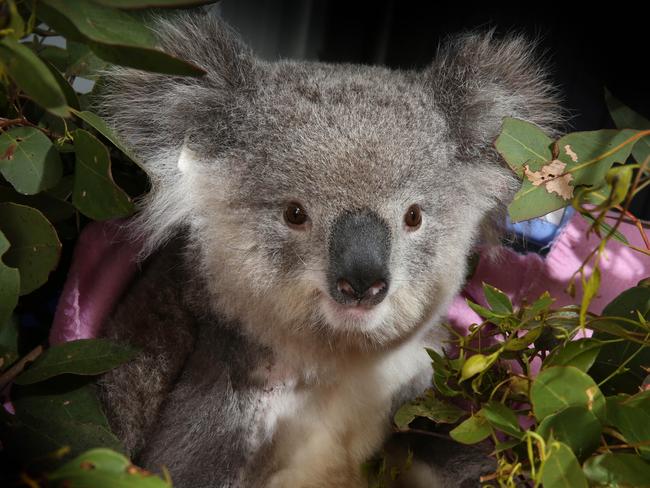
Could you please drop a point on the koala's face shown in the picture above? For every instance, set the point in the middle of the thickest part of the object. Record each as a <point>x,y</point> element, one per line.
<point>333,202</point>
<point>342,208</point>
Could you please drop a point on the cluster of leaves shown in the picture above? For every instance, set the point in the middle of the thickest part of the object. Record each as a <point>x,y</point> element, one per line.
<point>61,167</point>
<point>562,394</point>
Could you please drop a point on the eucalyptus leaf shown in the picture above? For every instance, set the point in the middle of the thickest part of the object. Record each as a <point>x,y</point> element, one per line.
<point>80,357</point>
<point>32,76</point>
<point>9,289</point>
<point>580,353</point>
<point>498,301</point>
<point>614,470</point>
<point>103,468</point>
<point>521,143</point>
<point>625,118</point>
<point>502,418</point>
<point>53,208</point>
<point>472,430</point>
<point>430,407</point>
<point>477,364</point>
<point>561,468</point>
<point>29,160</point>
<point>113,35</point>
<point>8,342</point>
<point>631,420</point>
<point>35,248</point>
<point>95,194</point>
<point>559,387</point>
<point>577,427</point>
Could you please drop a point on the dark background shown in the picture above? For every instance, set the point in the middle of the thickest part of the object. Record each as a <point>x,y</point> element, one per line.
<point>587,48</point>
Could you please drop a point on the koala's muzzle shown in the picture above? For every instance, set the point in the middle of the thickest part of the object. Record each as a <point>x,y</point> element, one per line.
<point>359,251</point>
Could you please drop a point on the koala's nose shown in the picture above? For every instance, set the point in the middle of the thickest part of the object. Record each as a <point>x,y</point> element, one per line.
<point>359,251</point>
<point>362,288</point>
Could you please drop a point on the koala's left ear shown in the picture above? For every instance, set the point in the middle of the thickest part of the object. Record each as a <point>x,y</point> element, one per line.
<point>476,80</point>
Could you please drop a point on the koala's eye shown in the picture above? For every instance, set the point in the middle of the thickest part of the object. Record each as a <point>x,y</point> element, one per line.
<point>295,216</point>
<point>413,217</point>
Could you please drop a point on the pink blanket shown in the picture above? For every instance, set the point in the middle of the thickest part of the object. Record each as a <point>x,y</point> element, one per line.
<point>104,264</point>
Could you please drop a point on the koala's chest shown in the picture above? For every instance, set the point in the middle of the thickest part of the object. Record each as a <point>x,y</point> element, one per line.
<point>336,425</point>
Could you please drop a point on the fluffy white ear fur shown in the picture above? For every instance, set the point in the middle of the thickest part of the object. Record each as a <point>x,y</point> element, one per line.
<point>186,159</point>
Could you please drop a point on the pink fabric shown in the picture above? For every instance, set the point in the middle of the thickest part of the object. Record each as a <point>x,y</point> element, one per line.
<point>102,267</point>
<point>104,264</point>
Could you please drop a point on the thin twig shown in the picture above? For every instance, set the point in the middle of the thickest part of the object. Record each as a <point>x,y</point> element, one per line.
<point>8,376</point>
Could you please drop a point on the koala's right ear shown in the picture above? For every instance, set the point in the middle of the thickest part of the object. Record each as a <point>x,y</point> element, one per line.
<point>159,117</point>
<point>153,114</point>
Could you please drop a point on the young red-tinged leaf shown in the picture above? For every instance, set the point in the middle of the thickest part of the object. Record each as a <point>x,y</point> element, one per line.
<point>81,357</point>
<point>502,418</point>
<point>561,468</point>
<point>580,353</point>
<point>614,470</point>
<point>577,427</point>
<point>498,301</point>
<point>32,76</point>
<point>472,430</point>
<point>626,118</point>
<point>95,193</point>
<point>559,387</point>
<point>9,286</point>
<point>34,245</point>
<point>29,160</point>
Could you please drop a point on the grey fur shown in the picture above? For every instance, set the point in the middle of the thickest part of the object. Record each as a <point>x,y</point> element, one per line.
<point>233,313</point>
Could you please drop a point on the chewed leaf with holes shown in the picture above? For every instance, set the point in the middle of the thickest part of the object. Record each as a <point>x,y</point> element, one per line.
<point>95,193</point>
<point>550,173</point>
<point>29,160</point>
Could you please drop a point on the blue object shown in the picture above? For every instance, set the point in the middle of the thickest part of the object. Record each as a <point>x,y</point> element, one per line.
<point>536,234</point>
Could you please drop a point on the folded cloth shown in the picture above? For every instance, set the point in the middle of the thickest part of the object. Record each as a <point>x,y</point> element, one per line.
<point>105,262</point>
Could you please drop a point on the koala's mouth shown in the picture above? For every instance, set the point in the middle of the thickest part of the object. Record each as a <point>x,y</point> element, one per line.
<point>358,315</point>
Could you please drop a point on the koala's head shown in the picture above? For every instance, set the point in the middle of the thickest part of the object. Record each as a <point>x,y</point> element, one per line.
<point>335,202</point>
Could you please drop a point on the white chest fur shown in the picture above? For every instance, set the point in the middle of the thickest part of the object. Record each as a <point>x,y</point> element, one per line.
<point>323,432</point>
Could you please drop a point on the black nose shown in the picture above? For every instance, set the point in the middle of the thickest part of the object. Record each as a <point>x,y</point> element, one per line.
<point>359,251</point>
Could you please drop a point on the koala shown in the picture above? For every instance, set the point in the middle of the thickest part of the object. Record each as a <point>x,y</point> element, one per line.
<point>307,226</point>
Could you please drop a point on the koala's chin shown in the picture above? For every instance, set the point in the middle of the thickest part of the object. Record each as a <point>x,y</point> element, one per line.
<point>307,226</point>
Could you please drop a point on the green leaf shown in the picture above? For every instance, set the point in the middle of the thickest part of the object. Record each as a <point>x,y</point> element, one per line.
<point>502,418</point>
<point>577,427</point>
<point>485,313</point>
<point>632,420</point>
<point>498,301</point>
<point>9,289</point>
<point>590,288</point>
<point>559,387</point>
<point>522,143</point>
<point>561,468</point>
<point>33,437</point>
<point>477,364</point>
<point>140,4</point>
<point>53,208</point>
<point>519,343</point>
<point>580,353</point>
<point>472,430</point>
<point>103,468</point>
<point>70,95</point>
<point>113,35</point>
<point>81,357</point>
<point>29,160</point>
<point>32,76</point>
<point>95,193</point>
<point>612,355</point>
<point>35,247</point>
<point>540,305</point>
<point>617,471</point>
<point>626,118</point>
<point>98,124</point>
<point>83,62</point>
<point>430,407</point>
